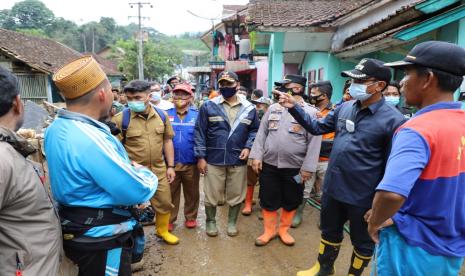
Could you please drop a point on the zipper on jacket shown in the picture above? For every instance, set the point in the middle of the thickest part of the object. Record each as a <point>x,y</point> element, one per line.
<point>19,266</point>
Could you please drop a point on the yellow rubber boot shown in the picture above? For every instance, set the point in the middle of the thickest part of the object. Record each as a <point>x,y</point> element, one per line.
<point>325,264</point>
<point>313,271</point>
<point>161,223</point>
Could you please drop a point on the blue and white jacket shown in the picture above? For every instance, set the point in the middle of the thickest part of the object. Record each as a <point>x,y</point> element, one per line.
<point>219,141</point>
<point>89,167</point>
<point>183,140</point>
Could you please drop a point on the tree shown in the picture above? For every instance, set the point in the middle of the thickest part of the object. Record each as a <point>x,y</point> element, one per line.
<point>66,32</point>
<point>160,59</point>
<point>31,14</point>
<point>6,21</point>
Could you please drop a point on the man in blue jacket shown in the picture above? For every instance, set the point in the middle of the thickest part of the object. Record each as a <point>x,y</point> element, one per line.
<point>363,133</point>
<point>91,176</point>
<point>224,134</point>
<point>183,118</point>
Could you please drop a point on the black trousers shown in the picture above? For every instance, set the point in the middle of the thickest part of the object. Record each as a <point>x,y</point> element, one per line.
<point>279,189</point>
<point>334,214</point>
<point>112,257</point>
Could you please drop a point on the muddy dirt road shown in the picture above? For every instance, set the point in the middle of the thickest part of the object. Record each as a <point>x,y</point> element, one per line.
<point>198,254</point>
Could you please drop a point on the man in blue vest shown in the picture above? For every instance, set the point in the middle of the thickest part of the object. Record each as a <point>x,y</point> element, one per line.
<point>183,118</point>
<point>224,134</point>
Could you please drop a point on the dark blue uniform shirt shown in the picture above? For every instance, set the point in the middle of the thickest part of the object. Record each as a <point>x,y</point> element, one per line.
<point>360,150</point>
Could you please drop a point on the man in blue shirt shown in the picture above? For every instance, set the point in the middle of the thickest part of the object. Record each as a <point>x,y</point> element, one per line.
<point>183,118</point>
<point>91,176</point>
<point>420,201</point>
<point>363,132</point>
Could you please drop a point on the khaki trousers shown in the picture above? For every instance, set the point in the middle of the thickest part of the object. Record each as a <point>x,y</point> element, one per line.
<point>225,182</point>
<point>188,177</point>
<point>161,201</point>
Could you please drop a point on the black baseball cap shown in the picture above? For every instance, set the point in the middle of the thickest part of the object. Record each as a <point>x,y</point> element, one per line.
<point>439,55</point>
<point>369,68</point>
<point>292,79</point>
<point>228,76</point>
<point>321,83</point>
<point>172,79</point>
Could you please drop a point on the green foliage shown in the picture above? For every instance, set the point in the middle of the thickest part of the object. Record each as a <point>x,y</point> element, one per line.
<point>160,59</point>
<point>31,14</point>
<point>33,32</point>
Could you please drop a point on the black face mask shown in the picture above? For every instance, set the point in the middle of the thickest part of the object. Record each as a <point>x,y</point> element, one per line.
<point>283,89</point>
<point>228,92</point>
<point>316,99</point>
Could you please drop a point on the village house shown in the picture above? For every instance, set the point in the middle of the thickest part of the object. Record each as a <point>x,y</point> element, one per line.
<point>319,39</point>
<point>33,60</point>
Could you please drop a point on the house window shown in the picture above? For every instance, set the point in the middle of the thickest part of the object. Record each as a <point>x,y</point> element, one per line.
<point>321,73</point>
<point>311,77</point>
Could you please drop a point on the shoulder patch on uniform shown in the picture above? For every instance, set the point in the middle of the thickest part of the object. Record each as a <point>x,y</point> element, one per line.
<point>246,121</point>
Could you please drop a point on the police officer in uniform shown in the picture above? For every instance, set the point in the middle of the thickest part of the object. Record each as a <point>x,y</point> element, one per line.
<point>285,155</point>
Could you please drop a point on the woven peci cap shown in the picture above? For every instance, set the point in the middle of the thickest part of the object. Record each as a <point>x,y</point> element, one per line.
<point>79,77</point>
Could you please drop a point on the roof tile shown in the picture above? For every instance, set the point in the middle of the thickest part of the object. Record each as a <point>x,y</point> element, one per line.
<point>305,13</point>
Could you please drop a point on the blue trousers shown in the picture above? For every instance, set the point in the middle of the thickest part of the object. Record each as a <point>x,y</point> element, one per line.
<point>393,256</point>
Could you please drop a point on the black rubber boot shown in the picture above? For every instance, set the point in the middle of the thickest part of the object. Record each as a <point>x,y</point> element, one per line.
<point>325,265</point>
<point>358,264</point>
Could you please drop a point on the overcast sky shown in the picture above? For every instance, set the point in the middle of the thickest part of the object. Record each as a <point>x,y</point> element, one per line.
<point>167,16</point>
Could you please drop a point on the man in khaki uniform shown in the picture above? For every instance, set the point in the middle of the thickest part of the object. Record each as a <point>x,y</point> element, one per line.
<point>147,136</point>
<point>30,234</point>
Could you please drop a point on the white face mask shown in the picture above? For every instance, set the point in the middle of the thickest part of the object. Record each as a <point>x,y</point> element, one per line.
<point>155,96</point>
<point>359,91</point>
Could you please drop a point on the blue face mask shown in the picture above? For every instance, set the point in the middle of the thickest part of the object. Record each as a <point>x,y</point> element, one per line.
<point>392,100</point>
<point>137,106</point>
<point>359,92</point>
<point>228,92</point>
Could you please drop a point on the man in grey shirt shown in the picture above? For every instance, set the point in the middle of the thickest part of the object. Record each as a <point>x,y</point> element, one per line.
<point>284,155</point>
<point>30,235</point>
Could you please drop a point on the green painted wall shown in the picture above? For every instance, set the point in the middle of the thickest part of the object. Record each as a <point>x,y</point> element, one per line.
<point>276,58</point>
<point>449,32</point>
<point>332,67</point>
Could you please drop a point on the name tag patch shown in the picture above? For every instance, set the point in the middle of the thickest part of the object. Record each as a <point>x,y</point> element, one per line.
<point>215,119</point>
<point>295,128</point>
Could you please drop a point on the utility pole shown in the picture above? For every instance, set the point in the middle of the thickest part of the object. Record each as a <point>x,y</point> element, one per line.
<point>140,56</point>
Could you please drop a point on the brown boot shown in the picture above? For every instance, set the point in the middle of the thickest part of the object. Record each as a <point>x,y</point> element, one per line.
<point>284,225</point>
<point>270,220</point>
<point>248,201</point>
